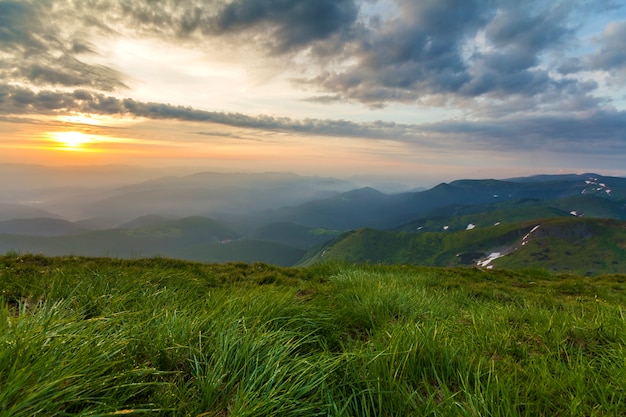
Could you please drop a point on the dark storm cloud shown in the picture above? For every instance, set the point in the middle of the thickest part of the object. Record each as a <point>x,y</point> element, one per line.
<point>416,54</point>
<point>292,23</point>
<point>430,50</point>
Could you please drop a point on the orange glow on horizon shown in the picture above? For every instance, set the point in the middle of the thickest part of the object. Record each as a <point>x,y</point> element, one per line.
<point>71,140</point>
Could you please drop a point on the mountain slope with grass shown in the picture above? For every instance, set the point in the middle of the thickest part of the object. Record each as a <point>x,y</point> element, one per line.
<point>569,244</point>
<point>242,250</point>
<point>87,336</point>
<point>584,246</point>
<point>460,217</point>
<point>293,234</point>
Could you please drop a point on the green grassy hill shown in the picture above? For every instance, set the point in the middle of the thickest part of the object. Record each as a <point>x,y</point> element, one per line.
<point>190,238</point>
<point>585,246</point>
<point>158,337</point>
<point>294,234</point>
<point>458,217</point>
<point>248,250</point>
<point>464,217</point>
<point>569,244</point>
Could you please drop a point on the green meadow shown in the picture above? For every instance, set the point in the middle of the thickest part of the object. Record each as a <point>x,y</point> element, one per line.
<point>105,337</point>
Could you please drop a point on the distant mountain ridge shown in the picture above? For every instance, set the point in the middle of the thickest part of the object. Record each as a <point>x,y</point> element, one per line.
<point>366,207</point>
<point>290,219</point>
<point>14,211</point>
<point>42,226</point>
<point>201,194</point>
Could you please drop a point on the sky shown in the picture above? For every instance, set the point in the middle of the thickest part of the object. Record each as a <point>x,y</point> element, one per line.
<point>419,90</point>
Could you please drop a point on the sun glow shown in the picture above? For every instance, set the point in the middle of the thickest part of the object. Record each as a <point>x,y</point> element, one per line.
<point>71,140</point>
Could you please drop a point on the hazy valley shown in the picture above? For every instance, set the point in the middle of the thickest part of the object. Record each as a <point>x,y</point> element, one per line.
<point>286,219</point>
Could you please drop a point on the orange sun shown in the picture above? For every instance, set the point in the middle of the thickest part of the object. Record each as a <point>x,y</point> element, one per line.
<point>71,140</point>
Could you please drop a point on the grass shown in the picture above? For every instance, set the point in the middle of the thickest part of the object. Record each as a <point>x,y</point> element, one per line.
<point>101,337</point>
<point>584,246</point>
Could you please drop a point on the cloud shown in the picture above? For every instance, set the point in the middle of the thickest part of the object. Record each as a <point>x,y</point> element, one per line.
<point>601,132</point>
<point>586,133</point>
<point>290,23</point>
<point>51,43</point>
<point>511,63</point>
<point>281,26</point>
<point>415,54</point>
<point>433,52</point>
<point>17,100</point>
<point>16,20</point>
<point>375,52</point>
<point>41,51</point>
<point>444,52</point>
<point>609,56</point>
<point>612,52</point>
<point>528,31</point>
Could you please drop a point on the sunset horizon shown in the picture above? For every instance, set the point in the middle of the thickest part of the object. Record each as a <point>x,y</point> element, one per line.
<point>420,91</point>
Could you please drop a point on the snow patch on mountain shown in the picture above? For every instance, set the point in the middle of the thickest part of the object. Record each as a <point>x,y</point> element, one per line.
<point>594,186</point>
<point>492,256</point>
<point>525,238</point>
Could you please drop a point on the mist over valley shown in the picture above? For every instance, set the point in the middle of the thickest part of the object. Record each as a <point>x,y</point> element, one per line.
<point>289,219</point>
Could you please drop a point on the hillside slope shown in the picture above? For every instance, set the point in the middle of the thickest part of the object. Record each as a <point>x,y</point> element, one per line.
<point>583,245</point>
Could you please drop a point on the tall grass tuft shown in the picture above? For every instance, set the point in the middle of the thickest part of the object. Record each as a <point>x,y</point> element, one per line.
<point>102,337</point>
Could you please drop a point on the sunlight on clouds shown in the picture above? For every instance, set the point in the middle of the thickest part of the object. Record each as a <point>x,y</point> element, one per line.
<point>76,118</point>
<point>186,68</point>
<point>80,118</point>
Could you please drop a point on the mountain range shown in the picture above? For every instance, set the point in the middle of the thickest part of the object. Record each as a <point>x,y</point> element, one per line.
<point>286,219</point>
